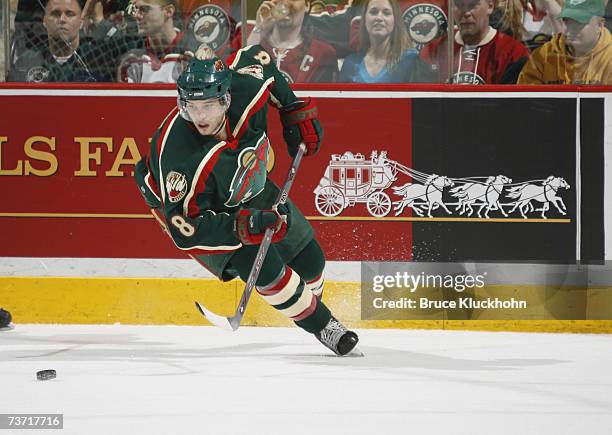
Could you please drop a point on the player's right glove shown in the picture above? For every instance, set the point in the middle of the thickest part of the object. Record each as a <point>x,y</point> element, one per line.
<point>301,125</point>
<point>251,224</point>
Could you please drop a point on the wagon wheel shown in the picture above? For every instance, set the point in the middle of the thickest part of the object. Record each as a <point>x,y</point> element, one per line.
<point>329,201</point>
<point>379,204</point>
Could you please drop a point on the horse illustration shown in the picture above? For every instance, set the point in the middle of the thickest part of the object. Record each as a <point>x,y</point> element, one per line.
<point>545,193</point>
<point>429,194</point>
<point>484,194</point>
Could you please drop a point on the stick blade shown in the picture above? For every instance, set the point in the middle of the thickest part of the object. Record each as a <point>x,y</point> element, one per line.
<point>215,319</point>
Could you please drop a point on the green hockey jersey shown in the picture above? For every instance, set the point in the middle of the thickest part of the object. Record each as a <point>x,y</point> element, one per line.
<point>199,183</point>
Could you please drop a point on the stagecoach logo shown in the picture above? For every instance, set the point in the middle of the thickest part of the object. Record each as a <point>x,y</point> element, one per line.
<point>176,186</point>
<point>38,74</point>
<point>250,176</point>
<point>352,179</point>
<point>467,78</point>
<point>210,24</point>
<point>424,23</point>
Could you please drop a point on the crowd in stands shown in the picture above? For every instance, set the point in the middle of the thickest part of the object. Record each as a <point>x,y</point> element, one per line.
<point>325,41</point>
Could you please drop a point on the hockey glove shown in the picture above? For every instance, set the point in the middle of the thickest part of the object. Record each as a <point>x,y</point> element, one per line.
<point>251,224</point>
<point>301,124</point>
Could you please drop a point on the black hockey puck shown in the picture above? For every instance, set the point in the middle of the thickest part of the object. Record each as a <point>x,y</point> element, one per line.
<point>5,318</point>
<point>45,375</point>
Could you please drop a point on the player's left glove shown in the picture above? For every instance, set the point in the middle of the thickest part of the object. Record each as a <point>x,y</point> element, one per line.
<point>251,224</point>
<point>301,124</point>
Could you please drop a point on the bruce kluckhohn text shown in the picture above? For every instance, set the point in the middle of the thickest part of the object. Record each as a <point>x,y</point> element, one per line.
<point>462,303</point>
<point>396,285</point>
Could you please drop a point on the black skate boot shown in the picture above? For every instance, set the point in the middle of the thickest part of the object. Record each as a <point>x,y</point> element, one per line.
<point>338,339</point>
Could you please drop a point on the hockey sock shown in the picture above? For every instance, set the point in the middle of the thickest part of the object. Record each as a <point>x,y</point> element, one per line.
<point>316,286</point>
<point>290,295</point>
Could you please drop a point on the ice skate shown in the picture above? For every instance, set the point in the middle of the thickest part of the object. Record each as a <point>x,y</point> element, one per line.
<point>338,339</point>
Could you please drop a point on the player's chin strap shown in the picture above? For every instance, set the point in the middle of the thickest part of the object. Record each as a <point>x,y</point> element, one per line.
<point>233,323</point>
<point>221,127</point>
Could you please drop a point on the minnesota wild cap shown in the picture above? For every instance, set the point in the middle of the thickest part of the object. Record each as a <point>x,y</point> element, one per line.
<point>582,10</point>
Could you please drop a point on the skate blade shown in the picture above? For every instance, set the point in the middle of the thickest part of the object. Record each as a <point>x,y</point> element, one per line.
<point>355,353</point>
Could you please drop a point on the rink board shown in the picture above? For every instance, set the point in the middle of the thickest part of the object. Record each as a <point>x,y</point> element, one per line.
<point>69,165</point>
<point>170,301</point>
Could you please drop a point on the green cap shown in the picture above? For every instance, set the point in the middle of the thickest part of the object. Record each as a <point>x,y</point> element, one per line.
<point>582,10</point>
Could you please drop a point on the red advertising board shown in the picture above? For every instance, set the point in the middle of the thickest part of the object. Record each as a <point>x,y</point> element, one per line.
<point>66,166</point>
<point>435,173</point>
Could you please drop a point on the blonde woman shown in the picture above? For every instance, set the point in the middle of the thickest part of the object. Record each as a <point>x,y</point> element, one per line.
<point>387,55</point>
<point>526,19</point>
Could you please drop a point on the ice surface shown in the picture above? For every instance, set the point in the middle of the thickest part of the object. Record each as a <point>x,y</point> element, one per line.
<point>116,380</point>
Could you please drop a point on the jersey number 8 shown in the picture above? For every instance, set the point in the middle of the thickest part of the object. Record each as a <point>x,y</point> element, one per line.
<point>182,225</point>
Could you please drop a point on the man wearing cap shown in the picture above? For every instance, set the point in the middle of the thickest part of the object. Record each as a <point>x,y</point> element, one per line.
<point>581,55</point>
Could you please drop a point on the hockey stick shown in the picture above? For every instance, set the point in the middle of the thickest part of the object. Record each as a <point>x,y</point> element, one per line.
<point>233,323</point>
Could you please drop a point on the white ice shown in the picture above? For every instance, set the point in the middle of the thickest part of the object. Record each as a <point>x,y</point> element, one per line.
<point>116,380</point>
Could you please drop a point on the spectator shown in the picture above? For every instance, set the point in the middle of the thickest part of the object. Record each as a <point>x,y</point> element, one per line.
<point>481,53</point>
<point>63,57</point>
<point>528,20</point>
<point>339,24</point>
<point>284,30</point>
<point>582,54</point>
<point>29,30</point>
<point>159,57</point>
<point>386,56</point>
<point>104,18</point>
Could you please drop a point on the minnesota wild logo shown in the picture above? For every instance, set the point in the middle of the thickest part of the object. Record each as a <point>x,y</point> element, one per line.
<point>210,24</point>
<point>250,176</point>
<point>467,78</point>
<point>176,186</point>
<point>424,23</point>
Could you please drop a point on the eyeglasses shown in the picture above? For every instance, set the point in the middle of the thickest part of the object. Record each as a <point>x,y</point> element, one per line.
<point>143,10</point>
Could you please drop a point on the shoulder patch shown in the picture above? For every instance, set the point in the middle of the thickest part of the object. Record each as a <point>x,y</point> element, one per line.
<point>176,186</point>
<point>252,70</point>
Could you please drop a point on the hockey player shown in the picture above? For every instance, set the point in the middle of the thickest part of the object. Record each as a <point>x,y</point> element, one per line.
<point>206,176</point>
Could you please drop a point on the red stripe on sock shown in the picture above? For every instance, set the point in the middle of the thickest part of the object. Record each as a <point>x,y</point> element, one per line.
<point>314,280</point>
<point>280,285</point>
<point>308,311</point>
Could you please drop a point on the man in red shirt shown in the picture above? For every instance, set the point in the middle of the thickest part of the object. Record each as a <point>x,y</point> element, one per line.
<point>481,53</point>
<point>286,33</point>
<point>158,59</point>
